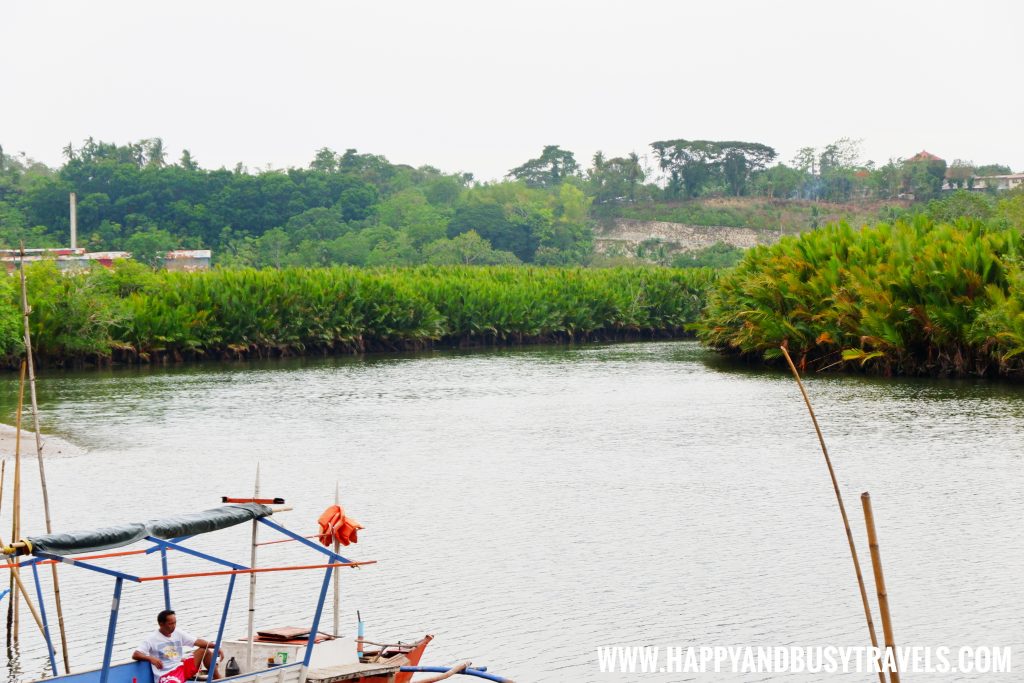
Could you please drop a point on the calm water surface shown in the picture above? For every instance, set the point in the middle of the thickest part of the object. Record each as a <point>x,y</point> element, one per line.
<point>527,507</point>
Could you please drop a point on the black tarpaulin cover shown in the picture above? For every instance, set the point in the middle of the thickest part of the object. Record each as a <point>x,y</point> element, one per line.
<point>190,524</point>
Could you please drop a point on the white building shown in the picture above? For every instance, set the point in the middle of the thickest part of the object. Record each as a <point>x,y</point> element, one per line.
<point>999,182</point>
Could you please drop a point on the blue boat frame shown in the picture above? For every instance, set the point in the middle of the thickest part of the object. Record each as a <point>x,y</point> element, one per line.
<point>163,546</point>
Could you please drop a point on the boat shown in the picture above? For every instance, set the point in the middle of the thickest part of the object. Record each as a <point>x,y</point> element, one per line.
<point>278,654</point>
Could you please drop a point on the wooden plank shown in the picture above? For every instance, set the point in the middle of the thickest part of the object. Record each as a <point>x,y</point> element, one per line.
<point>346,672</point>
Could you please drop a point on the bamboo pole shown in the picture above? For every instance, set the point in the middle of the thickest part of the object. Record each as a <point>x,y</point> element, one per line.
<point>257,570</point>
<point>12,608</point>
<point>24,593</point>
<point>15,576</point>
<point>16,584</point>
<point>842,508</point>
<point>883,595</point>
<point>39,622</point>
<point>337,585</point>
<point>252,581</point>
<point>10,590</point>
<point>458,668</point>
<point>26,310</point>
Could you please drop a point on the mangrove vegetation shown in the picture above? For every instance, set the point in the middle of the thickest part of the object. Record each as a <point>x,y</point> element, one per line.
<point>912,298</point>
<point>131,313</point>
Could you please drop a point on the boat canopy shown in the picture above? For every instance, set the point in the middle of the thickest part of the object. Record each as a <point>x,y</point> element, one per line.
<point>178,526</point>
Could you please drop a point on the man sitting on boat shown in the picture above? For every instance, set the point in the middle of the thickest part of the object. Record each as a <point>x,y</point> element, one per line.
<point>165,650</point>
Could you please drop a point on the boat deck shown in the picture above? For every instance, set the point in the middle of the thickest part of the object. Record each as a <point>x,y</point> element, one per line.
<point>348,672</point>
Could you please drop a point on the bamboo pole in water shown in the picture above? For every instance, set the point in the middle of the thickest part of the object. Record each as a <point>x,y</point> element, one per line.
<point>24,593</point>
<point>842,508</point>
<point>15,576</point>
<point>26,310</point>
<point>12,608</point>
<point>15,579</point>
<point>883,595</point>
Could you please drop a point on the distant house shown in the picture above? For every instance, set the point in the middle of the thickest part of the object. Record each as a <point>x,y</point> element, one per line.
<point>999,182</point>
<point>106,258</point>
<point>80,259</point>
<point>933,180</point>
<point>923,155</point>
<point>188,259</point>
<point>66,259</point>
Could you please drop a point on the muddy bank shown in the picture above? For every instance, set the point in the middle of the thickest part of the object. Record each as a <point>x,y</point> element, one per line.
<point>53,446</point>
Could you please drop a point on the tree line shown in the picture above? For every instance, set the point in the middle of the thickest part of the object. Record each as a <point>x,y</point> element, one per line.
<point>361,209</point>
<point>344,208</point>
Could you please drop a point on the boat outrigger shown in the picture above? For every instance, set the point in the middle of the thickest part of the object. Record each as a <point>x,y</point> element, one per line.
<point>275,655</point>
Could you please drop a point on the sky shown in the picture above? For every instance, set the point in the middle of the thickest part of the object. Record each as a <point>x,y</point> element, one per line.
<point>482,86</point>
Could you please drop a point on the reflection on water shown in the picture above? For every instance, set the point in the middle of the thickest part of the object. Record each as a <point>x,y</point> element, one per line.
<point>529,506</point>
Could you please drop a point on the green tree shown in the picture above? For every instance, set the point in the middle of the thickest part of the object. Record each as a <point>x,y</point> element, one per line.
<point>154,152</point>
<point>993,169</point>
<point>552,167</point>
<point>187,162</point>
<point>411,213</point>
<point>924,178</point>
<point>468,249</point>
<point>272,248</point>
<point>885,181</point>
<point>1010,209</point>
<point>837,168</point>
<point>319,224</point>
<point>806,160</point>
<point>150,246</point>
<point>779,181</point>
<point>351,249</point>
<point>693,166</point>
<point>960,174</point>
<point>718,255</point>
<point>960,204</point>
<point>616,179</point>
<point>326,160</point>
<point>397,252</point>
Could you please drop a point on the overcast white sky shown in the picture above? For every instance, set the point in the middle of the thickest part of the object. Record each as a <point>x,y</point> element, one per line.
<point>481,86</point>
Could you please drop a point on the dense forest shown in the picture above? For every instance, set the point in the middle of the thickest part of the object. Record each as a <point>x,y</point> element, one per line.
<point>360,209</point>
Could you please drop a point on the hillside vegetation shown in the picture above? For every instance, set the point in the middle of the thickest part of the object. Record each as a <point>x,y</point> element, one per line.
<point>354,208</point>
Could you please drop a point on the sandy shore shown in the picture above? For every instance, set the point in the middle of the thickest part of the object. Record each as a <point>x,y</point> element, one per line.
<point>53,446</point>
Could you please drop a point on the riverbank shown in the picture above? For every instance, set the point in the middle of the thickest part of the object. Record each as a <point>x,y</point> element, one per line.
<point>52,445</point>
<point>917,298</point>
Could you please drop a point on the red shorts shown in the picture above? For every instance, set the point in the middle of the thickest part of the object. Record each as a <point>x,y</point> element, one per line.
<point>186,670</point>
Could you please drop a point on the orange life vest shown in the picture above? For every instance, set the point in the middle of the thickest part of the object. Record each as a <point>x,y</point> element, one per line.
<point>335,526</point>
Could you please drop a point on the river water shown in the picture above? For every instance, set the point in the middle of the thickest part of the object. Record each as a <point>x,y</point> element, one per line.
<point>530,506</point>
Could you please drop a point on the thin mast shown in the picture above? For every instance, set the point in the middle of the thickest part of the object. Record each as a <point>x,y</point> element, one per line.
<point>337,586</point>
<point>842,508</point>
<point>39,448</point>
<point>252,580</point>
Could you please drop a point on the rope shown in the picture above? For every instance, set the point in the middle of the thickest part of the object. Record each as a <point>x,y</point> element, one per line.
<point>199,666</point>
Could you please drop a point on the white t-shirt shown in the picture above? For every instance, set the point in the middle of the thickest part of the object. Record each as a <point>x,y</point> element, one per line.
<point>169,649</point>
